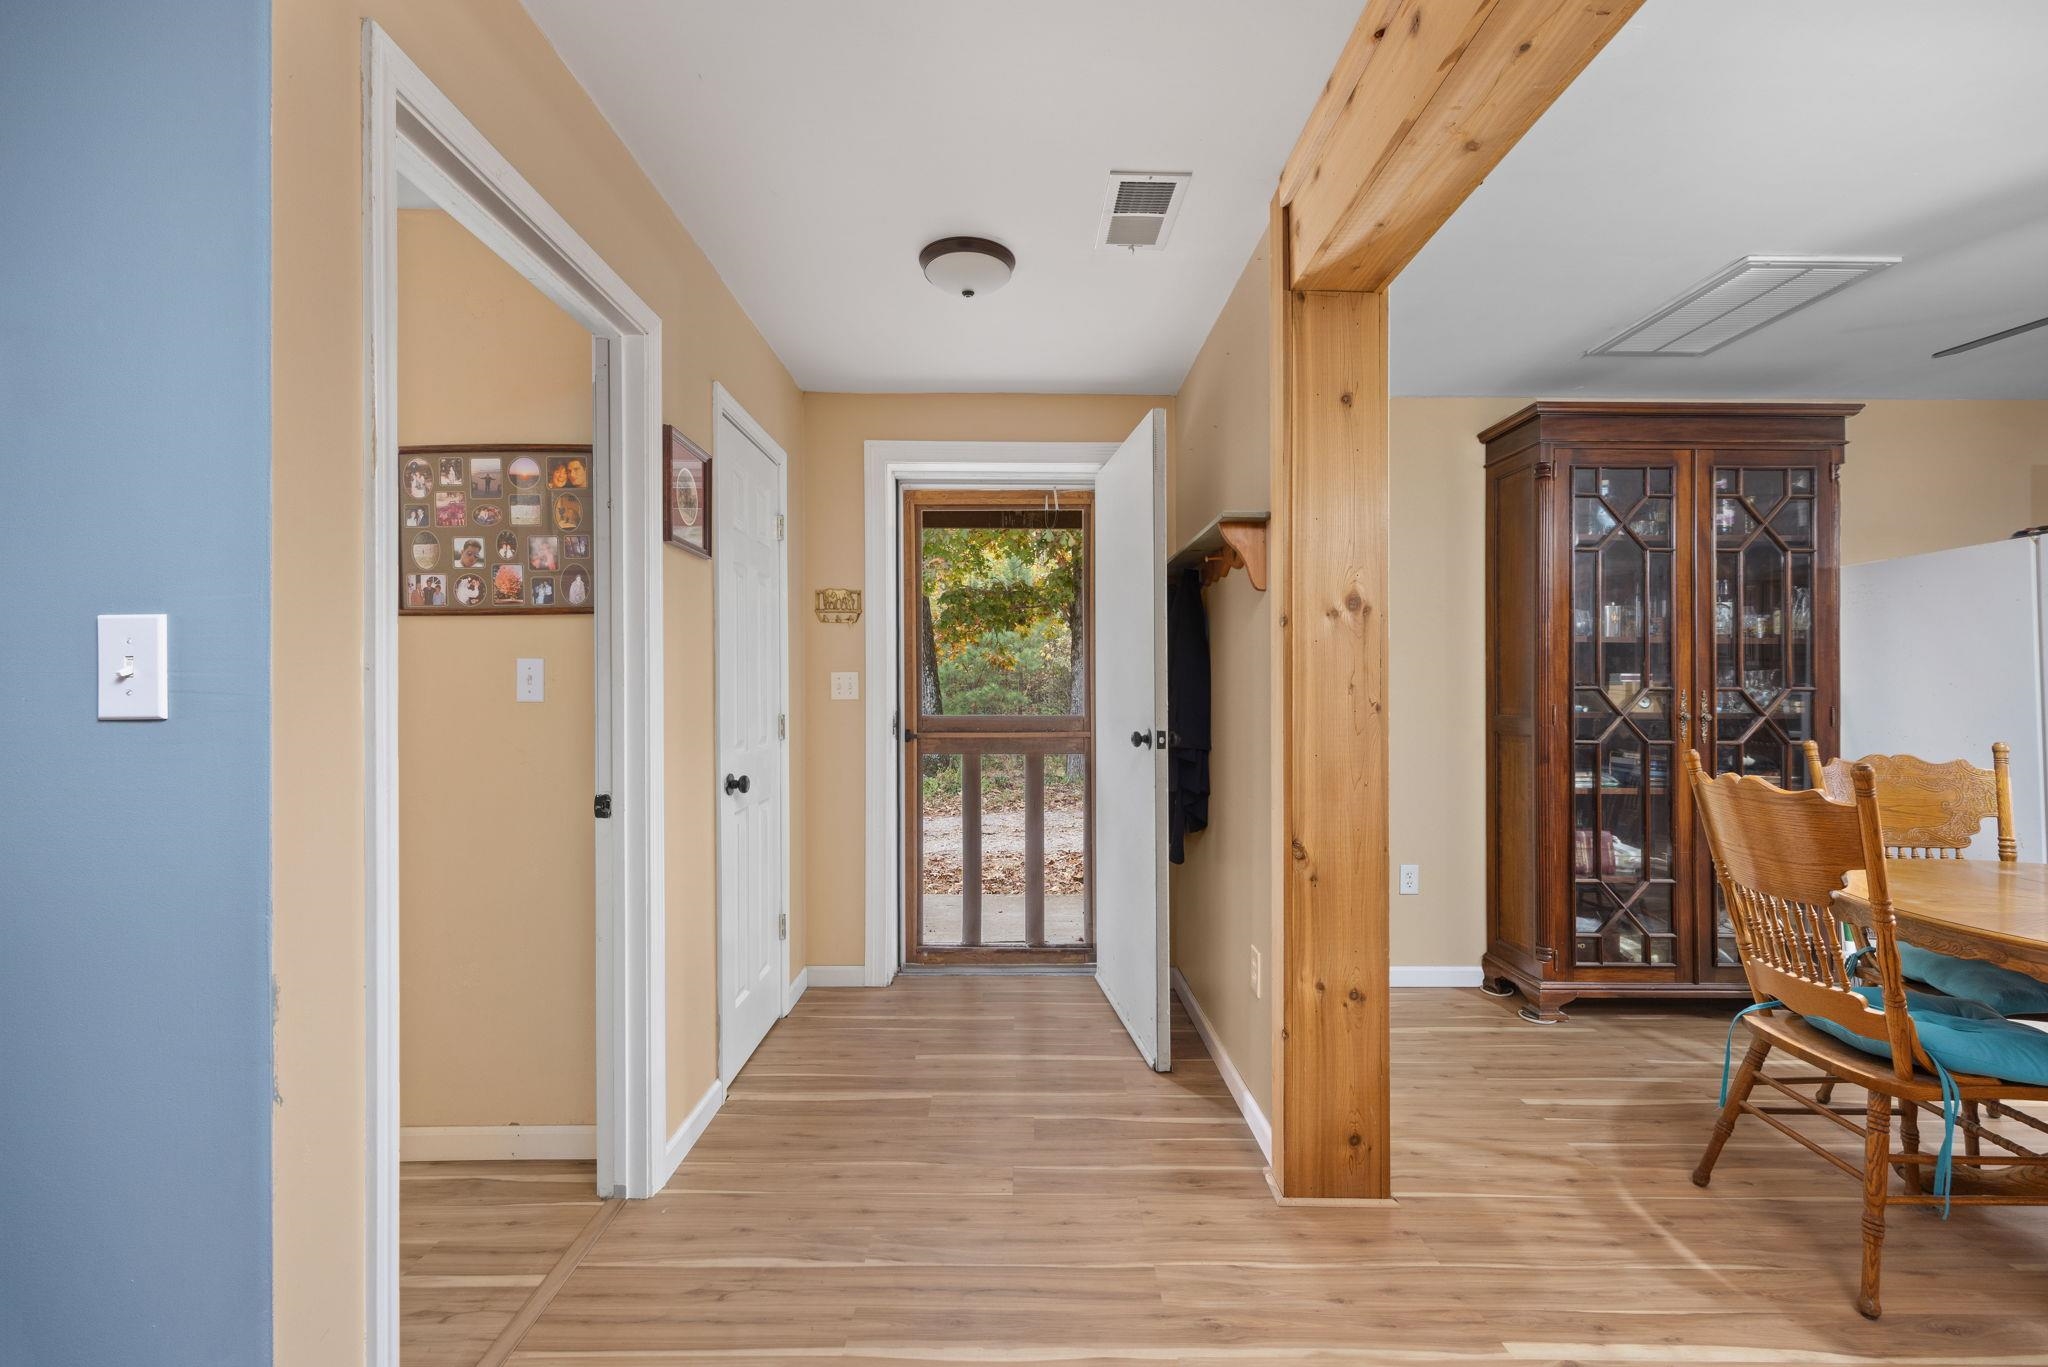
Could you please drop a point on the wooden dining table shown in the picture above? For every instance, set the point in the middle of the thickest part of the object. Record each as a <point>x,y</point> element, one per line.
<point>1977,908</point>
<point>1980,909</point>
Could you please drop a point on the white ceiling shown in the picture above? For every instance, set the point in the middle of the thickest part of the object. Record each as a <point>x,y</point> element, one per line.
<point>1710,131</point>
<point>812,147</point>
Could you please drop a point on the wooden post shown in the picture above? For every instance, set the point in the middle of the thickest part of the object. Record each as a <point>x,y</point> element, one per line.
<point>1034,849</point>
<point>1329,484</point>
<point>970,848</point>
<point>1426,98</point>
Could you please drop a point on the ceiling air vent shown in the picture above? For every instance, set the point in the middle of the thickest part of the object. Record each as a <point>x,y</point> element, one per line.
<point>1737,300</point>
<point>1140,208</point>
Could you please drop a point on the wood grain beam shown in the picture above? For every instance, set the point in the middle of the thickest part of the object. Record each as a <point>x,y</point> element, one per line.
<point>1425,100</point>
<point>1330,496</point>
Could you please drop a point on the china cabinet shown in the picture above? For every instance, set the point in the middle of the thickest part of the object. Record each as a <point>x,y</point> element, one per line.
<point>1659,576</point>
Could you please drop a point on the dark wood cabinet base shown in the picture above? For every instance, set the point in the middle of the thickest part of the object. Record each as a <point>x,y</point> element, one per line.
<point>1544,1001</point>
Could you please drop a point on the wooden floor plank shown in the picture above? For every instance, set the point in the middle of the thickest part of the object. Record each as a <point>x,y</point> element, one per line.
<point>908,1180</point>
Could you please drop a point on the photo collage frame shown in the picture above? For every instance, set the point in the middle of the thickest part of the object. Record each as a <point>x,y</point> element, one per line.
<point>495,529</point>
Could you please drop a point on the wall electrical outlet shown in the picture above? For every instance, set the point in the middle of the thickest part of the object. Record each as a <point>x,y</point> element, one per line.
<point>1256,992</point>
<point>1411,878</point>
<point>845,685</point>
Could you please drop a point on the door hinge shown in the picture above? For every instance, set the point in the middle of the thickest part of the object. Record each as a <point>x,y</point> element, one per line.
<point>782,926</point>
<point>779,527</point>
<point>782,726</point>
<point>1835,472</point>
<point>603,805</point>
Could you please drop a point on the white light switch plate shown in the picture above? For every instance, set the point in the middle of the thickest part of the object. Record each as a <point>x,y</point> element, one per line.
<point>845,685</point>
<point>531,684</point>
<point>135,668</point>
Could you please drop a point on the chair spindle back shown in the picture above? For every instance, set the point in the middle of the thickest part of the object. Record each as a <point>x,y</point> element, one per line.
<point>1780,857</point>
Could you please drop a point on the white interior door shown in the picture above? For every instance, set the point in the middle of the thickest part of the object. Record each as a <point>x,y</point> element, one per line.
<point>752,807</point>
<point>1130,736</point>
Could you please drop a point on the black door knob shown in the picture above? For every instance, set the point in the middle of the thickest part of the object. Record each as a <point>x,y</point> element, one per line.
<point>1141,738</point>
<point>736,785</point>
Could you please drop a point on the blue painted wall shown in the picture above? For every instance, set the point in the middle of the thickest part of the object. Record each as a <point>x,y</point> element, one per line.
<point>135,1014</point>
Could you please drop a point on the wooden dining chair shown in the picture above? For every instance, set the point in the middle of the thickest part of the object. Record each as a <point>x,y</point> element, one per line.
<point>1931,811</point>
<point>1780,856</point>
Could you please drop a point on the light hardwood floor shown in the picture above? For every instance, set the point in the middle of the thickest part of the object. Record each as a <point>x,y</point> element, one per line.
<point>981,1170</point>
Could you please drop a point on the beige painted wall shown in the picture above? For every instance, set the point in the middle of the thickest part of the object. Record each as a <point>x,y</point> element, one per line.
<point>830,759</point>
<point>497,869</point>
<point>1222,895</point>
<point>1928,474</point>
<point>491,60</point>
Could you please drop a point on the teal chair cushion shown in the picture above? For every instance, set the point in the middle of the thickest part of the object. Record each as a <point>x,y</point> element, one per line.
<point>1962,1036</point>
<point>2005,991</point>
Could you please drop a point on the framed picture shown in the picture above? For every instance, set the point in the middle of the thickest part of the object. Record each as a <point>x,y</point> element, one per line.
<point>686,506</point>
<point>494,529</point>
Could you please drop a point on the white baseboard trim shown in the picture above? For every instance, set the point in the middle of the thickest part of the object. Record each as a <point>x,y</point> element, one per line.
<point>838,975</point>
<point>1433,975</point>
<point>486,1143</point>
<point>794,993</point>
<point>685,1138</point>
<point>1261,1128</point>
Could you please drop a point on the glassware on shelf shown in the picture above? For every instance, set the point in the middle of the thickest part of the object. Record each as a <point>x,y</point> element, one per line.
<point>1802,611</point>
<point>1724,610</point>
<point>1618,858</point>
<point>1582,623</point>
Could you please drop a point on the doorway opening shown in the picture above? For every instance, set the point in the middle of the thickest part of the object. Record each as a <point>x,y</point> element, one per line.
<point>411,133</point>
<point>998,699</point>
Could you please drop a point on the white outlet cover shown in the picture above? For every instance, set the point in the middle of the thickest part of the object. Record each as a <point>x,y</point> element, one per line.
<point>1411,878</point>
<point>134,667</point>
<point>530,683</point>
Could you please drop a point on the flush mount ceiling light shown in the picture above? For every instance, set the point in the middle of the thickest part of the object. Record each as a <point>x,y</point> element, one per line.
<point>967,266</point>
<point>1737,300</point>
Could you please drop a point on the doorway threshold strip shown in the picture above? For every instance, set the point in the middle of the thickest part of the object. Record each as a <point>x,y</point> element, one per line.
<point>507,1342</point>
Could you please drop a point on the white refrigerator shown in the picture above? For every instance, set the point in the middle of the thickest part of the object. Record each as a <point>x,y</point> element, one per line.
<point>1941,656</point>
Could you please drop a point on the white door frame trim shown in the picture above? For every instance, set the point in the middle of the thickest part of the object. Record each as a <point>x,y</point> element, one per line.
<point>410,126</point>
<point>888,467</point>
<point>725,406</point>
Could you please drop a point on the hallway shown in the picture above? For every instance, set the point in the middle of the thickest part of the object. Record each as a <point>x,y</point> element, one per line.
<point>978,1169</point>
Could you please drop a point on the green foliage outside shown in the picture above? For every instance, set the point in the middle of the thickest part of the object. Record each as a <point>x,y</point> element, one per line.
<point>1004,631</point>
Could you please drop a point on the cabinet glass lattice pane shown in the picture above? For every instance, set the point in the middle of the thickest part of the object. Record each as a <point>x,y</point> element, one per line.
<point>1624,746</point>
<point>1765,558</point>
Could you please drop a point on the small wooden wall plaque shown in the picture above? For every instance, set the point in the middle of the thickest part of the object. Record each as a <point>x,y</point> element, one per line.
<point>839,605</point>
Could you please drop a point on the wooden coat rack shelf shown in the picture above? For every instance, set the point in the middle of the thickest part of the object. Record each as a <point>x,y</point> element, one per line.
<point>1232,541</point>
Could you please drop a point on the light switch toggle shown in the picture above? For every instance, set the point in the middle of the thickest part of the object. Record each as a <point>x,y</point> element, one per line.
<point>530,684</point>
<point>134,667</point>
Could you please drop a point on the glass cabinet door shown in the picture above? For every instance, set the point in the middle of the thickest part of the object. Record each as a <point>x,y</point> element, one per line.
<point>1765,522</point>
<point>1630,707</point>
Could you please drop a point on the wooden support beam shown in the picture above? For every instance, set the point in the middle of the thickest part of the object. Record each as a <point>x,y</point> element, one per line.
<point>1426,99</point>
<point>1329,486</point>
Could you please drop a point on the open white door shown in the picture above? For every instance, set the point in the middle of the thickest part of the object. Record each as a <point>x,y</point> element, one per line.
<point>1130,737</point>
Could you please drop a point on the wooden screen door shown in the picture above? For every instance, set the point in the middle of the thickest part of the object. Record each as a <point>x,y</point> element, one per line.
<point>997,707</point>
